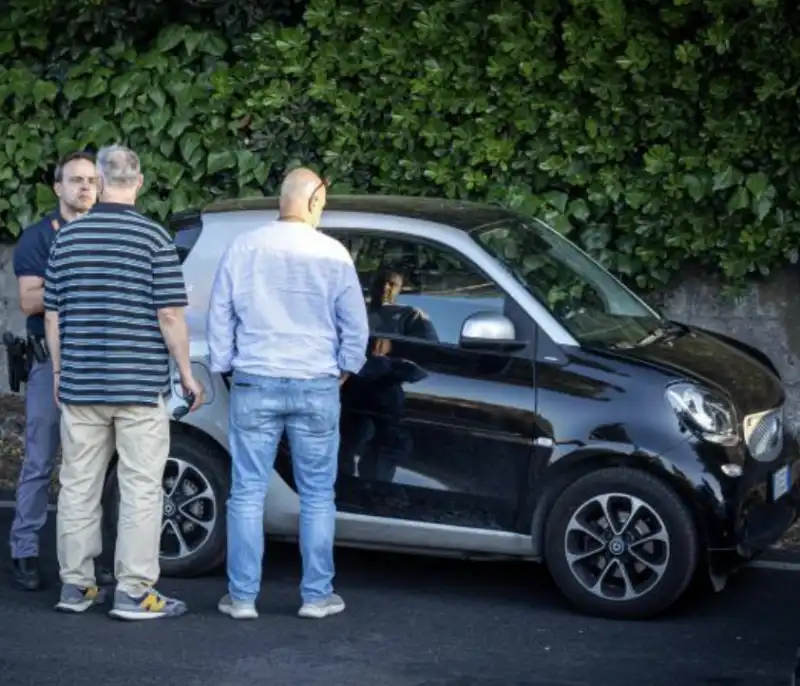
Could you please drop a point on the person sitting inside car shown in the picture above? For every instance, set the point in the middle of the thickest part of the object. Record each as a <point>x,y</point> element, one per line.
<point>387,317</point>
<point>376,392</point>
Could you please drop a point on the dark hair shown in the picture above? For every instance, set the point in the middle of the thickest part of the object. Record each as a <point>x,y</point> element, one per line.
<point>58,175</point>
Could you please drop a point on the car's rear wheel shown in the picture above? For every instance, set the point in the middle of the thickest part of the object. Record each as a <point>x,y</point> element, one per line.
<point>620,543</point>
<point>196,484</point>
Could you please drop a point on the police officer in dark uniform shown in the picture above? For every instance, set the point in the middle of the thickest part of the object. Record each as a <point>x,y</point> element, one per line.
<point>75,186</point>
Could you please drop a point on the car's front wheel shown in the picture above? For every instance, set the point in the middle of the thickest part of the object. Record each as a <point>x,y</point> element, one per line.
<point>620,543</point>
<point>196,483</point>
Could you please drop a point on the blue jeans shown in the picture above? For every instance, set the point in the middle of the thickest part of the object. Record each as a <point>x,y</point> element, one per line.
<point>260,409</point>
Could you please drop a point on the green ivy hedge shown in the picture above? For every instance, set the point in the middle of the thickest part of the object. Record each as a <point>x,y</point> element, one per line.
<point>654,133</point>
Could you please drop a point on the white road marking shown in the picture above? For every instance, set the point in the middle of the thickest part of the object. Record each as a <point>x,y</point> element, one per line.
<point>758,564</point>
<point>776,565</point>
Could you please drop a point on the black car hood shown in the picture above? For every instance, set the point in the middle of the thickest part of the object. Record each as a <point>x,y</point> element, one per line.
<point>704,358</point>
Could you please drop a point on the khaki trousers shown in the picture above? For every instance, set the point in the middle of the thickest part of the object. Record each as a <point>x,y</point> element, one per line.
<point>89,435</point>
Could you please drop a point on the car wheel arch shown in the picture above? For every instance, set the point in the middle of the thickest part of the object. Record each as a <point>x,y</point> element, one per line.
<point>544,498</point>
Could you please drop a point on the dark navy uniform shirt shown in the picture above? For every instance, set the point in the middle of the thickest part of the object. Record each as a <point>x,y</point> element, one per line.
<point>31,255</point>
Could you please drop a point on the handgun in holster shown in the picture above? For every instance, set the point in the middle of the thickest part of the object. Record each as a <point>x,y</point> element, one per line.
<point>19,358</point>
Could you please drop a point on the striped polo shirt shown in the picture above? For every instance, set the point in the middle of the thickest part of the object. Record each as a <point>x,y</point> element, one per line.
<point>109,272</point>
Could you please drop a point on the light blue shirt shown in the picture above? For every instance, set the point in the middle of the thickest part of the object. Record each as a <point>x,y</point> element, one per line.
<point>287,302</point>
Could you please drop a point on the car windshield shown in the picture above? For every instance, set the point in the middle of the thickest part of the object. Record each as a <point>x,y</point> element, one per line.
<point>592,305</point>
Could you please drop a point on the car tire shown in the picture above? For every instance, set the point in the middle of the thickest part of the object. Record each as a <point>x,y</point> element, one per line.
<point>663,525</point>
<point>205,479</point>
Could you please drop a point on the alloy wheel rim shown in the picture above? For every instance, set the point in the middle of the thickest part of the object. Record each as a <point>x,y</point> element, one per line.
<point>617,546</point>
<point>190,510</point>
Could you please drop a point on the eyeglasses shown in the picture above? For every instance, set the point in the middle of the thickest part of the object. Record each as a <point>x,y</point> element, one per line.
<point>325,183</point>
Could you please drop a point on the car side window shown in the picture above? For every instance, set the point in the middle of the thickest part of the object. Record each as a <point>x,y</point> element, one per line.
<point>415,289</point>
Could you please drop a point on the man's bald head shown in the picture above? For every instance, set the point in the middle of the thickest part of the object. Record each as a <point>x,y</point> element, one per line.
<point>303,195</point>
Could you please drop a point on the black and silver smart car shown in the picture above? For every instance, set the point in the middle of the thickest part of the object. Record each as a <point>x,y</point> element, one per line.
<point>518,401</point>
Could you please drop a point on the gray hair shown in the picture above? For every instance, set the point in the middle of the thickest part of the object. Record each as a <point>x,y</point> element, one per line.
<point>118,166</point>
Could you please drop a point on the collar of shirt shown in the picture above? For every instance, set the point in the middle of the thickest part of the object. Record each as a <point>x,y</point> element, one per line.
<point>295,223</point>
<point>56,220</point>
<point>112,207</point>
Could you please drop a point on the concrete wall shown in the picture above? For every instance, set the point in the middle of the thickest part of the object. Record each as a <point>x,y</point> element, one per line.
<point>11,319</point>
<point>767,316</point>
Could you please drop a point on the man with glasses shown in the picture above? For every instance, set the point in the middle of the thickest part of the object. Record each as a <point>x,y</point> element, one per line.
<point>287,315</point>
<point>75,187</point>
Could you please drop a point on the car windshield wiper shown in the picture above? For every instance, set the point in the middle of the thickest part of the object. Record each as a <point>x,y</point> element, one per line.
<point>667,330</point>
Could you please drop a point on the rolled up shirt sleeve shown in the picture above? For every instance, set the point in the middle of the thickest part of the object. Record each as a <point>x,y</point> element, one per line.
<point>169,288</point>
<point>351,321</point>
<point>221,319</point>
<point>31,254</point>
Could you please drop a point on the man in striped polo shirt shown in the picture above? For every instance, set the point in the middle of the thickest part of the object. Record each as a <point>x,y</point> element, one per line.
<point>114,299</point>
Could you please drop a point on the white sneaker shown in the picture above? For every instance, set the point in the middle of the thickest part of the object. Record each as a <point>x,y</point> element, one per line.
<point>237,609</point>
<point>319,609</point>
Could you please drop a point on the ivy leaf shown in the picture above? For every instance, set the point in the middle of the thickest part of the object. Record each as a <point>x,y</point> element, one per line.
<point>179,200</point>
<point>170,37</point>
<point>724,179</point>
<point>579,209</point>
<point>157,96</point>
<point>6,42</point>
<point>159,119</point>
<point>121,85</point>
<point>213,45</point>
<point>763,206</point>
<point>739,200</point>
<point>246,161</point>
<point>261,173</point>
<point>96,86</point>
<point>189,144</point>
<point>694,186</point>
<point>217,161</point>
<point>44,91</point>
<point>172,173</point>
<point>45,197</point>
<point>178,126</point>
<point>757,183</point>
<point>558,200</point>
<point>561,224</point>
<point>191,40</point>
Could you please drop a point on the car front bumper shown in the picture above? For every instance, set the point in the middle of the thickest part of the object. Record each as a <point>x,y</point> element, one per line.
<point>757,509</point>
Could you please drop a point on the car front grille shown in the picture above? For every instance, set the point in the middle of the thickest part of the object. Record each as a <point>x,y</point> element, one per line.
<point>763,433</point>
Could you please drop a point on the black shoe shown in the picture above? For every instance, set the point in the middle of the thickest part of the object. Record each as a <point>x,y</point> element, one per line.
<point>26,573</point>
<point>104,576</point>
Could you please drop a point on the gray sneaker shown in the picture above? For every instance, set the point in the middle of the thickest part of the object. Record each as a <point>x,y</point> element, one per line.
<point>149,605</point>
<point>237,609</point>
<point>76,599</point>
<point>319,609</point>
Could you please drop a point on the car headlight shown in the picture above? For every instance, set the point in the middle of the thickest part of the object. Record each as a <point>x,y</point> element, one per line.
<point>706,413</point>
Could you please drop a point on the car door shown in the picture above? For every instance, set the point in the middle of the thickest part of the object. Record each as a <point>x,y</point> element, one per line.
<point>432,431</point>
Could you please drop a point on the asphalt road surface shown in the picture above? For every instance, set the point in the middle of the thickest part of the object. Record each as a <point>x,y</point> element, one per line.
<point>410,621</point>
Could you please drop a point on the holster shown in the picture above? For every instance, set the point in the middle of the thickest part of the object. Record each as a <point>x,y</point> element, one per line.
<point>38,348</point>
<point>19,358</point>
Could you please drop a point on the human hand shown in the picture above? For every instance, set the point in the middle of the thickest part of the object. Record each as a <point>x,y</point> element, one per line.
<point>192,387</point>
